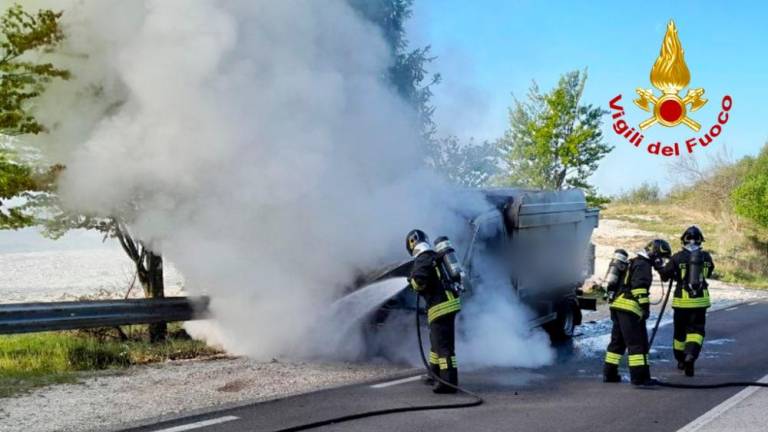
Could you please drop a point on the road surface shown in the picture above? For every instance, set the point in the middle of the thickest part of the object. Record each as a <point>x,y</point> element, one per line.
<point>568,396</point>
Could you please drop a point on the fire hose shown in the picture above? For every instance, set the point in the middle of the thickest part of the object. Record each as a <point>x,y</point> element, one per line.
<point>658,382</point>
<point>477,399</point>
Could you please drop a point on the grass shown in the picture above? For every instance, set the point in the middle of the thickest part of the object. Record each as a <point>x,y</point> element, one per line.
<point>33,360</point>
<point>739,257</point>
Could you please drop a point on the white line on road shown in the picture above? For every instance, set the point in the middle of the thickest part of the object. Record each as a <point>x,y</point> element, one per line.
<point>396,382</point>
<point>719,410</point>
<point>199,424</point>
<point>731,309</point>
<point>752,304</point>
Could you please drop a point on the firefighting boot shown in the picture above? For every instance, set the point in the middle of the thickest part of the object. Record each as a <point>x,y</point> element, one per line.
<point>681,365</point>
<point>611,373</point>
<point>689,369</point>
<point>640,375</point>
<point>451,376</point>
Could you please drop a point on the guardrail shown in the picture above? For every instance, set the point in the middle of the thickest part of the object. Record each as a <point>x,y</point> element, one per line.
<point>37,317</point>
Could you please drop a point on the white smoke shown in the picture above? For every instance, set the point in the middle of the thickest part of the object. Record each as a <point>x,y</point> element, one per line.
<point>255,144</point>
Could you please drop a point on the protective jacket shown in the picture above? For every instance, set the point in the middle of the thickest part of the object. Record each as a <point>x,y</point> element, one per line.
<point>427,281</point>
<point>632,295</point>
<point>442,307</point>
<point>677,269</point>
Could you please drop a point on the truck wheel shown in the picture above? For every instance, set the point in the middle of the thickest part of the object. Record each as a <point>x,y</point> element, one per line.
<point>561,329</point>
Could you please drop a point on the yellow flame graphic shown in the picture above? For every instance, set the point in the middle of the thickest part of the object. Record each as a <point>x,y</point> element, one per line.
<point>670,73</point>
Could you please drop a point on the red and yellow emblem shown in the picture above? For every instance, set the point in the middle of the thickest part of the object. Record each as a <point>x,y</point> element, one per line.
<point>670,74</point>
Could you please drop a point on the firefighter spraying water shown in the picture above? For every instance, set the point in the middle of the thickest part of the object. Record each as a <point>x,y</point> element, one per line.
<point>437,276</point>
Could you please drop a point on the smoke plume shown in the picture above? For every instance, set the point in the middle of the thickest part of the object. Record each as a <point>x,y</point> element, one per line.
<point>255,144</point>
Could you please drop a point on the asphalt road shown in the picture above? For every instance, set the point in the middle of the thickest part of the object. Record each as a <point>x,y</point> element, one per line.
<point>568,396</point>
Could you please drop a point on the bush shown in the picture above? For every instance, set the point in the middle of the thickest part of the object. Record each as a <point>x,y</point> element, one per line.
<point>646,193</point>
<point>750,198</point>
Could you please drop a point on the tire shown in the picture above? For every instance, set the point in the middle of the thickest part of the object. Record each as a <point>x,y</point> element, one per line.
<point>562,328</point>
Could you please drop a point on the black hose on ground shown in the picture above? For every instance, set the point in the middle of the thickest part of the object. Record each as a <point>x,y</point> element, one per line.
<point>478,400</point>
<point>659,383</point>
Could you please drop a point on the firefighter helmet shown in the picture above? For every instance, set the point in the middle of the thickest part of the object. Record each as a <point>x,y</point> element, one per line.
<point>692,235</point>
<point>416,242</point>
<point>658,248</point>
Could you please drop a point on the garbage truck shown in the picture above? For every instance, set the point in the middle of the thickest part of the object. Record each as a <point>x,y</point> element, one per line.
<point>540,241</point>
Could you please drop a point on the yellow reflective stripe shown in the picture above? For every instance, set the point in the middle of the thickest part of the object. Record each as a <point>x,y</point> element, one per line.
<point>678,345</point>
<point>640,291</point>
<point>612,358</point>
<point>432,357</point>
<point>643,300</point>
<point>694,338</point>
<point>692,303</point>
<point>415,285</point>
<point>450,304</point>
<point>637,360</point>
<point>683,271</point>
<point>622,303</point>
<point>454,362</point>
<point>443,363</point>
<point>686,301</point>
<point>443,308</point>
<point>449,295</point>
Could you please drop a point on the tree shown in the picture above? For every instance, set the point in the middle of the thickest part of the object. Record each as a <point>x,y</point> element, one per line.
<point>408,73</point>
<point>470,164</point>
<point>21,80</point>
<point>24,36</point>
<point>553,141</point>
<point>750,199</point>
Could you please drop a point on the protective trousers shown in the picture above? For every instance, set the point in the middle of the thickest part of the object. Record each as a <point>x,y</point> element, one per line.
<point>689,326</point>
<point>442,355</point>
<point>628,333</point>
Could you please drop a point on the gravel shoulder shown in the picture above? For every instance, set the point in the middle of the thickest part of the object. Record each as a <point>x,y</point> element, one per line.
<point>105,401</point>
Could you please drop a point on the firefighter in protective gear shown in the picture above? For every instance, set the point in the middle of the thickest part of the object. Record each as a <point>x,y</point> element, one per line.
<point>690,268</point>
<point>442,307</point>
<point>630,308</point>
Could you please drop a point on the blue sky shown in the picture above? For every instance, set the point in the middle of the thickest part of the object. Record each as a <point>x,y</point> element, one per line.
<point>489,50</point>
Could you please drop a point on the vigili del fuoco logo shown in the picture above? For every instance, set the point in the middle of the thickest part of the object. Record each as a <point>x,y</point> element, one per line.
<point>669,75</point>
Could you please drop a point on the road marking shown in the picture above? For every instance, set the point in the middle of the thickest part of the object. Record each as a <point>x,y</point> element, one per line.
<point>731,309</point>
<point>199,424</point>
<point>752,304</point>
<point>719,410</point>
<point>396,382</point>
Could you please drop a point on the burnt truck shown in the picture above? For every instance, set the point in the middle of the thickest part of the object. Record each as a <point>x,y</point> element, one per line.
<point>540,241</point>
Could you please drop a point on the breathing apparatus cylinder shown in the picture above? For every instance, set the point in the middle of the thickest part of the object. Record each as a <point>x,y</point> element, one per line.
<point>616,268</point>
<point>695,265</point>
<point>450,267</point>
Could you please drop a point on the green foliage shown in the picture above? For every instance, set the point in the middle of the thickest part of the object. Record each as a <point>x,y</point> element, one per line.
<point>553,141</point>
<point>646,193</point>
<point>408,73</point>
<point>28,361</point>
<point>21,79</point>
<point>467,164</point>
<point>597,201</point>
<point>23,35</point>
<point>750,199</point>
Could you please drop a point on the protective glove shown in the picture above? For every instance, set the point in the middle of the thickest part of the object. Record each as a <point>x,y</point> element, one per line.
<point>646,313</point>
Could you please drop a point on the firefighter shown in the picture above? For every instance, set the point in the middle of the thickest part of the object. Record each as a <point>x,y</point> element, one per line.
<point>628,283</point>
<point>690,269</point>
<point>442,306</point>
